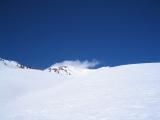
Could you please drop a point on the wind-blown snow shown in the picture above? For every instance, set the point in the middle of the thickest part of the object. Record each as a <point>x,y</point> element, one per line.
<point>129,92</point>
<point>78,63</point>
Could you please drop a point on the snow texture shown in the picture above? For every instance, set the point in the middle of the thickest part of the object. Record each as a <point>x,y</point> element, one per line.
<point>128,92</point>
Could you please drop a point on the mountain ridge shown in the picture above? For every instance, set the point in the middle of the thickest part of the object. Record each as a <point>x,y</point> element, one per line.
<point>125,92</point>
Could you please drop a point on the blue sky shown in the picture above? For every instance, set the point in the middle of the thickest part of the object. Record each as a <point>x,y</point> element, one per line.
<point>39,33</point>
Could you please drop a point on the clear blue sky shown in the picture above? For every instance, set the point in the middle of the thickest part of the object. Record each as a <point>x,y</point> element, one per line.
<point>115,32</point>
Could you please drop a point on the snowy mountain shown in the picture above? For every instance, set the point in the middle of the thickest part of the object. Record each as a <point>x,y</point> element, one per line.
<point>59,70</point>
<point>11,64</point>
<point>67,70</point>
<point>128,92</point>
<point>63,70</point>
<point>71,67</point>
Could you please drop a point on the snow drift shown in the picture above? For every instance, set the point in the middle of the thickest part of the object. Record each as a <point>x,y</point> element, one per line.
<point>129,92</point>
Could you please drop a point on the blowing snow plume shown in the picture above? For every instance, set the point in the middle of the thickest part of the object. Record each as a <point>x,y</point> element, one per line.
<point>68,67</point>
<point>78,63</point>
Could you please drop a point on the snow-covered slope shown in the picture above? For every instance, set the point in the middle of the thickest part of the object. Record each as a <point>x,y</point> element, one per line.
<point>67,70</point>
<point>59,70</point>
<point>129,92</point>
<point>11,64</point>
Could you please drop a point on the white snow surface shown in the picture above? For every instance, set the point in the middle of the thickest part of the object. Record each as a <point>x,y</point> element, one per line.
<point>128,92</point>
<point>11,64</point>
